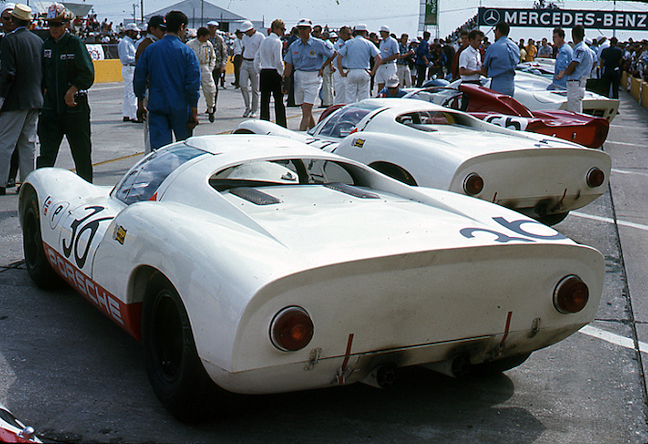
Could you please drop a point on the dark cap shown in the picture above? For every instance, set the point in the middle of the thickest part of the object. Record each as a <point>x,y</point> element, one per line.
<point>157,21</point>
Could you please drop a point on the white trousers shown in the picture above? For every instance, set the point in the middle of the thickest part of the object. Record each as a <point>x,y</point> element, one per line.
<point>327,86</point>
<point>404,76</point>
<point>575,95</point>
<point>249,75</point>
<point>17,130</point>
<point>208,86</point>
<point>130,101</point>
<point>357,85</point>
<point>340,88</point>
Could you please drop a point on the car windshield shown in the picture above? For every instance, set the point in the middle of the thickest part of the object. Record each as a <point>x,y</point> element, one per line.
<point>143,180</point>
<point>448,97</point>
<point>283,172</point>
<point>431,120</point>
<point>343,121</point>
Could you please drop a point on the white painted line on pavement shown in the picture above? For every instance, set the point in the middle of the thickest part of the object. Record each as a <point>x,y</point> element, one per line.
<point>621,143</point>
<point>613,338</point>
<point>609,221</point>
<point>639,173</point>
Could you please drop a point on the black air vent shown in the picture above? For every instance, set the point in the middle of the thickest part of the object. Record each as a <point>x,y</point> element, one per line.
<point>351,191</point>
<point>255,196</point>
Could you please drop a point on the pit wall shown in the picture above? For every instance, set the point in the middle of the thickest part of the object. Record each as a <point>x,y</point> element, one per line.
<point>109,71</point>
<point>638,88</point>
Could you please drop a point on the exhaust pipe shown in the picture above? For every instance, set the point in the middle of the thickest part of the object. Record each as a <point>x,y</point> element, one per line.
<point>456,367</point>
<point>382,376</point>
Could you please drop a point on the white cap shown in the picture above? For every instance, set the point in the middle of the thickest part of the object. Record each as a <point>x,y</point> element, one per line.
<point>384,28</point>
<point>305,22</point>
<point>588,41</point>
<point>8,7</point>
<point>213,23</point>
<point>361,27</point>
<point>131,27</point>
<point>333,35</point>
<point>392,82</point>
<point>246,26</point>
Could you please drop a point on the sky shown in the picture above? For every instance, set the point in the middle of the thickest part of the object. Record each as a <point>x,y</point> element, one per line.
<point>402,16</point>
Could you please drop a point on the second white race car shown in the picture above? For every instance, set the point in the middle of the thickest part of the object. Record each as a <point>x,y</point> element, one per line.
<point>427,145</point>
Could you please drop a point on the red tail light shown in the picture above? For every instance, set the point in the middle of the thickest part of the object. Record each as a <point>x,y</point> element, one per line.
<point>571,294</point>
<point>473,184</point>
<point>291,329</point>
<point>595,177</point>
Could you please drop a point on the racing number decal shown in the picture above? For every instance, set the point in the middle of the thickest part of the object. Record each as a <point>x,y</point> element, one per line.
<point>516,227</point>
<point>518,124</point>
<point>92,225</point>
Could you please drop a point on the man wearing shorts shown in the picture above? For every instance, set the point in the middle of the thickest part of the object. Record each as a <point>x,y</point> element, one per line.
<point>355,55</point>
<point>389,52</point>
<point>308,56</point>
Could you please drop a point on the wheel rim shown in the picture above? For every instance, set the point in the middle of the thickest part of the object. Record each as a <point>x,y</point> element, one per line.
<point>167,337</point>
<point>32,240</point>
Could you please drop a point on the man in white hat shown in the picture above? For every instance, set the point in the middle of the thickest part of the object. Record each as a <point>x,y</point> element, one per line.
<point>20,92</point>
<point>221,53</point>
<point>308,56</point>
<point>126,49</point>
<point>392,89</point>
<point>251,43</point>
<point>389,52</point>
<point>355,55</point>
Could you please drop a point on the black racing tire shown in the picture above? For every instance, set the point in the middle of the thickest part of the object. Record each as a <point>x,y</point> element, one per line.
<point>39,269</point>
<point>175,371</point>
<point>499,365</point>
<point>395,172</point>
<point>553,219</point>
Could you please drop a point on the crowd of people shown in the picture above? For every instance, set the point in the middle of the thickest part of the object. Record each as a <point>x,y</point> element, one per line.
<point>165,67</point>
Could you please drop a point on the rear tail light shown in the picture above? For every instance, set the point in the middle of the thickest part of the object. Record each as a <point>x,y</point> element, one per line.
<point>291,329</point>
<point>595,177</point>
<point>473,184</point>
<point>571,294</point>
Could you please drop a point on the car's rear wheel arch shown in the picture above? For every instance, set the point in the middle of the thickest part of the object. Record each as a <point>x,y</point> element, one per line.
<point>395,172</point>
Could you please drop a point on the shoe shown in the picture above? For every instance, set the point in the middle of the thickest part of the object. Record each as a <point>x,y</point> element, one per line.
<point>211,117</point>
<point>137,121</point>
<point>252,115</point>
<point>233,84</point>
<point>11,182</point>
<point>237,87</point>
<point>246,113</point>
<point>126,119</point>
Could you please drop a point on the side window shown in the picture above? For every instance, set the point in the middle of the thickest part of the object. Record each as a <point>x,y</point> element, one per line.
<point>143,180</point>
<point>343,122</point>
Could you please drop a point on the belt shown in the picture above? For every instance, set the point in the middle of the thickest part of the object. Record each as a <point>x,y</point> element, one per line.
<point>574,80</point>
<point>129,64</point>
<point>249,60</point>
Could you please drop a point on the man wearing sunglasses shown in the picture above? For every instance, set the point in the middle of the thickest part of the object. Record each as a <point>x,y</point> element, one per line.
<point>68,73</point>
<point>20,95</point>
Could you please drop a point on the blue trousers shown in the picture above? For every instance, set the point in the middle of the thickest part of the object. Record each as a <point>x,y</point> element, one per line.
<point>503,84</point>
<point>161,125</point>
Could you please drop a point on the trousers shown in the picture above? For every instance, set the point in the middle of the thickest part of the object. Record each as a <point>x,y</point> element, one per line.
<point>130,101</point>
<point>161,127</point>
<point>74,124</point>
<point>357,85</point>
<point>249,75</point>
<point>17,131</point>
<point>270,83</point>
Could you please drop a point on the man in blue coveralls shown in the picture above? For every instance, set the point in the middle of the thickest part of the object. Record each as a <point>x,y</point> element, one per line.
<point>502,57</point>
<point>173,72</point>
<point>565,53</point>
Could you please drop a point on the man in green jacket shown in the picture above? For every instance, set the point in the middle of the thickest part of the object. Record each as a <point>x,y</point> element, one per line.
<point>68,73</point>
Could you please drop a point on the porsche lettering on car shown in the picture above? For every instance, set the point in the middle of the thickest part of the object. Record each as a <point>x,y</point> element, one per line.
<point>255,264</point>
<point>428,145</point>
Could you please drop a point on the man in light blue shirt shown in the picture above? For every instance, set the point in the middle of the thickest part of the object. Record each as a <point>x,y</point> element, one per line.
<point>355,55</point>
<point>307,56</point>
<point>502,57</point>
<point>578,70</point>
<point>565,53</point>
<point>389,52</point>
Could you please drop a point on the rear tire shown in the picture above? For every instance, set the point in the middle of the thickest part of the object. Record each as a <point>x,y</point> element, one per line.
<point>499,365</point>
<point>174,368</point>
<point>553,219</point>
<point>395,172</point>
<point>39,269</point>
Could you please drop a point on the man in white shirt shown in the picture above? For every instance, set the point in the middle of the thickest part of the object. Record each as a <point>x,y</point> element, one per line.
<point>269,64</point>
<point>207,58</point>
<point>126,49</point>
<point>237,56</point>
<point>251,42</point>
<point>470,63</point>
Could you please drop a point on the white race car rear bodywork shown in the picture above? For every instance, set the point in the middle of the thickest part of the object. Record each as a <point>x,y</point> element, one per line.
<point>531,173</point>
<point>389,274</point>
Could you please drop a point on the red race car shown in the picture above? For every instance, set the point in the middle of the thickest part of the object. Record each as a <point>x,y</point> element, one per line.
<point>502,110</point>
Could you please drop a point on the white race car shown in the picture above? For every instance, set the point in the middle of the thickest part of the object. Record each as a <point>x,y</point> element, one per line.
<point>531,91</point>
<point>427,145</point>
<point>12,430</point>
<point>254,264</point>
